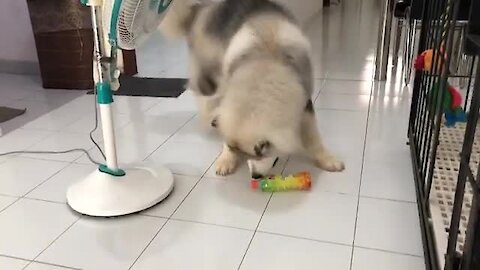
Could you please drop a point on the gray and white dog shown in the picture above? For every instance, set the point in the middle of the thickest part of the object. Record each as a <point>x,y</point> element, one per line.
<point>251,70</point>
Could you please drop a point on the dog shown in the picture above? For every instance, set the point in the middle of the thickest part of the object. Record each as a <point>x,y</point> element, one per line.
<point>251,69</point>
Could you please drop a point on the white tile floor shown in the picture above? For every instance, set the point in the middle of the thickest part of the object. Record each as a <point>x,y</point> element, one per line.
<point>363,219</point>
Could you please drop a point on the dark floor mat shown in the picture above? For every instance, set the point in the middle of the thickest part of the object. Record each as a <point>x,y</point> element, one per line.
<point>7,113</point>
<point>150,87</point>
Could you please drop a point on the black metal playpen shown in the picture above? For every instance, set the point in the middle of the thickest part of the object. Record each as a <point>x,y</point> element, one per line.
<point>444,144</point>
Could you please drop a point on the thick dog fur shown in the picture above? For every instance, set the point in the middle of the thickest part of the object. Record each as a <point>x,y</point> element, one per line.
<point>250,67</point>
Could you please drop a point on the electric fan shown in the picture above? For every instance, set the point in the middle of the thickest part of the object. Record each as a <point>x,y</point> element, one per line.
<point>110,190</point>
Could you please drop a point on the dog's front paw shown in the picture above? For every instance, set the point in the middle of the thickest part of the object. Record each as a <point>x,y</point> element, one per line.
<point>330,163</point>
<point>225,165</point>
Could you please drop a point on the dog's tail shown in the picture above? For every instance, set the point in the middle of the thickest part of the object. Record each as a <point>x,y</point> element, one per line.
<point>179,18</point>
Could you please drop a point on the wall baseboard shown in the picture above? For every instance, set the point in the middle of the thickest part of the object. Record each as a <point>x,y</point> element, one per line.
<point>19,67</point>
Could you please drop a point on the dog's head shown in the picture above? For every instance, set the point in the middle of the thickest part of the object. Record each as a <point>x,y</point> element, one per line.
<point>257,140</point>
<point>260,114</point>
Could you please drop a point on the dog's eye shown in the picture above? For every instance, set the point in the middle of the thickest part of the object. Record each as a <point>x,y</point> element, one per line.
<point>214,123</point>
<point>261,148</point>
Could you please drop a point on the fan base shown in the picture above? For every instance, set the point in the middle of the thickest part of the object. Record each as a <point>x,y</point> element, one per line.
<point>104,195</point>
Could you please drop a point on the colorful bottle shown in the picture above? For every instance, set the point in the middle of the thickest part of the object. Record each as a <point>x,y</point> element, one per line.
<point>299,181</point>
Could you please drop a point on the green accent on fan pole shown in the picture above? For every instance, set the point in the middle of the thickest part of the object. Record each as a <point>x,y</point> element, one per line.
<point>105,169</point>
<point>112,36</point>
<point>104,93</point>
<point>84,2</point>
<point>163,5</point>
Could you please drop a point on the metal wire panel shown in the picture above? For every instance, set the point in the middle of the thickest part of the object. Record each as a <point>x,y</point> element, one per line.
<point>445,158</point>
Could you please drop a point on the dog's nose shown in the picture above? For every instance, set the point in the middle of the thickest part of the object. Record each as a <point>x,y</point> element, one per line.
<point>256,175</point>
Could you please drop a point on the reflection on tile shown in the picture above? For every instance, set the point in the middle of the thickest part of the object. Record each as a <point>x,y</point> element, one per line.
<point>314,215</point>
<point>292,253</point>
<point>391,178</point>
<point>26,227</point>
<point>21,175</point>
<point>185,245</point>
<point>342,102</point>
<point>55,189</point>
<point>389,225</point>
<point>186,158</point>
<point>391,89</point>
<point>363,258</point>
<point>103,243</point>
<point>224,202</point>
<point>183,186</point>
<point>347,87</point>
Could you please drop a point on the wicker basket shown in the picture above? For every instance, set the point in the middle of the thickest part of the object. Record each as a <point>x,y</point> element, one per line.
<point>64,40</point>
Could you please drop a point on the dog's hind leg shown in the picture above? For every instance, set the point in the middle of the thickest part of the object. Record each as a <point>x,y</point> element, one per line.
<point>313,145</point>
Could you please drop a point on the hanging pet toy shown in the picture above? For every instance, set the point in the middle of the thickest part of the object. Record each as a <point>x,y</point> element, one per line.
<point>452,99</point>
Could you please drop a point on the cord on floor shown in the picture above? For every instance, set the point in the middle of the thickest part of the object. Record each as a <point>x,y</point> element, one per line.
<point>71,150</point>
<point>53,153</point>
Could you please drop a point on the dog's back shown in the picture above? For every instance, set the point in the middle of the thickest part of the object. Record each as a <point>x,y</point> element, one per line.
<point>253,55</point>
<point>222,36</point>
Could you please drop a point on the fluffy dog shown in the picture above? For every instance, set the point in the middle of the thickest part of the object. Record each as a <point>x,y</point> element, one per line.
<point>250,67</point>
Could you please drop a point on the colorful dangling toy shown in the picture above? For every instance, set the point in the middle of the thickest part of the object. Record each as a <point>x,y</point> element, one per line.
<point>451,105</point>
<point>452,99</point>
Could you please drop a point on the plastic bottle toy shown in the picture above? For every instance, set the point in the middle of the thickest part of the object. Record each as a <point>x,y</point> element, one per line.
<point>299,181</point>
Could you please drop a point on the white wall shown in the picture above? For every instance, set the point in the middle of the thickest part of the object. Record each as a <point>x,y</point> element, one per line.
<point>16,37</point>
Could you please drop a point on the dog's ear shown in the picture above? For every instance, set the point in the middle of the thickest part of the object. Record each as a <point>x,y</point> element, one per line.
<point>262,147</point>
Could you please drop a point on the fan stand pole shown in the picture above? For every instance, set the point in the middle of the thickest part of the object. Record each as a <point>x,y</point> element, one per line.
<point>110,191</point>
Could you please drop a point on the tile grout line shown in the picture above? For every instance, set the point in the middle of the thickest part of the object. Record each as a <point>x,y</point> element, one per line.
<point>8,206</point>
<point>148,244</point>
<point>67,164</point>
<point>305,238</point>
<point>170,217</point>
<point>194,186</point>
<point>14,257</point>
<point>73,162</point>
<point>322,85</point>
<point>388,199</point>
<point>54,240</point>
<point>391,252</point>
<point>339,244</point>
<point>169,137</point>
<point>210,224</point>
<point>52,264</point>
<point>361,176</point>
<point>254,232</point>
<point>24,196</point>
<point>260,220</point>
